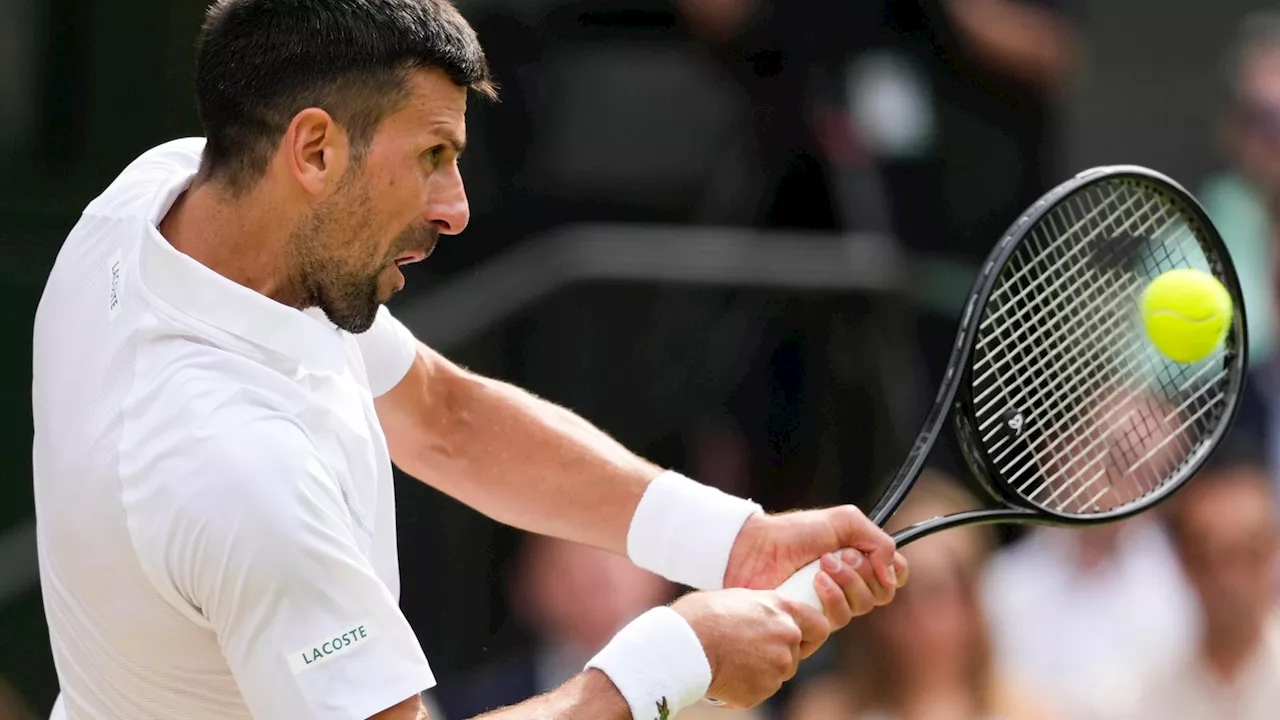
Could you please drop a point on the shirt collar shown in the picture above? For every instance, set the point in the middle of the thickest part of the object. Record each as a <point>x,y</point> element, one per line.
<point>192,288</point>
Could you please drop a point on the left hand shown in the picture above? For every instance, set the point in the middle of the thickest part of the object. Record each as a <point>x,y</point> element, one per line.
<point>770,548</point>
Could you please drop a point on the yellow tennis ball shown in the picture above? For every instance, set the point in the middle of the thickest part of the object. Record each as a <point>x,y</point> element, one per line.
<point>1186,313</point>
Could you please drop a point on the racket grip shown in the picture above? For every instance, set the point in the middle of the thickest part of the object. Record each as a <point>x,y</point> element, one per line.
<point>799,587</point>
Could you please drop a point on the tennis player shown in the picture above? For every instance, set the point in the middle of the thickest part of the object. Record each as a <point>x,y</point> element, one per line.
<point>219,395</point>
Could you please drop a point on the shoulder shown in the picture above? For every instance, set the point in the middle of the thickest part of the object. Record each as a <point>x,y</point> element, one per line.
<point>240,492</point>
<point>242,451</point>
<point>212,459</point>
<point>188,384</point>
<point>133,190</point>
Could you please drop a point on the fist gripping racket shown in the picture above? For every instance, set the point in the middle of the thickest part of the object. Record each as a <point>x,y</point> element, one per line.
<point>1063,408</point>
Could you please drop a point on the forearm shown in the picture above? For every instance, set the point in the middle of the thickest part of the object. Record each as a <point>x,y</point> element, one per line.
<point>521,460</point>
<point>588,696</point>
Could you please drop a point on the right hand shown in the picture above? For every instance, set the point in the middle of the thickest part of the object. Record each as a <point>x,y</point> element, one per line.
<point>754,639</point>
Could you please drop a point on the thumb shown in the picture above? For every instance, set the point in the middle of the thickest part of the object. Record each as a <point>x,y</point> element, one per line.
<point>855,530</point>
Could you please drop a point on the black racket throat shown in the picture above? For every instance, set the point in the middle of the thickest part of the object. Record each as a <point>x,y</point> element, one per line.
<point>1003,516</point>
<point>1061,414</point>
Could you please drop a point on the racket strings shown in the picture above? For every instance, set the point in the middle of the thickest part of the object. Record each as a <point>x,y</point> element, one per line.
<point>1060,366</point>
<point>1083,481</point>
<point>1079,304</point>
<point>1041,327</point>
<point>1113,326</point>
<point>1101,332</point>
<point>1114,294</point>
<point>1045,274</point>
<point>1073,407</point>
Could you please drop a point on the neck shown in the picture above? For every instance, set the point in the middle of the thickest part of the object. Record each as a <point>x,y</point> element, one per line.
<point>242,239</point>
<point>1227,652</point>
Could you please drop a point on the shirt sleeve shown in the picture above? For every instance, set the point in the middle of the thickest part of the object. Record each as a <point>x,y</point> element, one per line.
<point>265,549</point>
<point>388,348</point>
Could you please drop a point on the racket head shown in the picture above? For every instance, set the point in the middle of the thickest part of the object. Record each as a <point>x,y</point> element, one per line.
<point>1063,408</point>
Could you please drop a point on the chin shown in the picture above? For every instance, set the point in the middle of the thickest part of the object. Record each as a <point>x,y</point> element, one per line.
<point>385,296</point>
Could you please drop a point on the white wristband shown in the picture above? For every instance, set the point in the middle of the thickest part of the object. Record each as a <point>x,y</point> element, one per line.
<point>656,662</point>
<point>684,530</point>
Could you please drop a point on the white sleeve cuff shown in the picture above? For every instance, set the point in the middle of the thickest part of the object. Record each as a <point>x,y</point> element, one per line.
<point>656,662</point>
<point>388,349</point>
<point>684,530</point>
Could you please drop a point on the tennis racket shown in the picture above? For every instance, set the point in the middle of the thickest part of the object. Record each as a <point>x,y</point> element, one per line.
<point>1063,409</point>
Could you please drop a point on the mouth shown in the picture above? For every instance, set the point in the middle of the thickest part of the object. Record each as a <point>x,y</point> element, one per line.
<point>417,251</point>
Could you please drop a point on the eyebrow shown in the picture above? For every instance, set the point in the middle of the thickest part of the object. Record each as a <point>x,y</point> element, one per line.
<point>453,141</point>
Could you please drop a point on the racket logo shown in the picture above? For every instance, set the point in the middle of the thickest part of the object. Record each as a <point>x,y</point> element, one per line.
<point>1015,421</point>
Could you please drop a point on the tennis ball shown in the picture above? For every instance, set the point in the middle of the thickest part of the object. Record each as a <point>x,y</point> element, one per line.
<point>1186,313</point>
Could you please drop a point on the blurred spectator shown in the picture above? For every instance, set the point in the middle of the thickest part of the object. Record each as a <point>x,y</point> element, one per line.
<point>1227,533</point>
<point>572,598</point>
<point>787,57</point>
<point>1242,201</point>
<point>927,656</point>
<point>1074,610</point>
<point>990,73</point>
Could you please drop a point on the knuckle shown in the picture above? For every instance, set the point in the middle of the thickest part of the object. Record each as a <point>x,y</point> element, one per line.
<point>851,514</point>
<point>786,607</point>
<point>783,666</point>
<point>793,636</point>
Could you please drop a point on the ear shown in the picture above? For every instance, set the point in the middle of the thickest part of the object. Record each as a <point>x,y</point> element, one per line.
<point>316,151</point>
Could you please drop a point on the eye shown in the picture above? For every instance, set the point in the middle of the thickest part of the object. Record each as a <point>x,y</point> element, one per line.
<point>433,155</point>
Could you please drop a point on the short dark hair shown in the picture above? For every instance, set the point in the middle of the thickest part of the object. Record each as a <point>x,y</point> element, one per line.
<point>260,62</point>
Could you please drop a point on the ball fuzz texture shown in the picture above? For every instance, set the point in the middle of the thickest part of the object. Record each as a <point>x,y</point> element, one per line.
<point>1186,313</point>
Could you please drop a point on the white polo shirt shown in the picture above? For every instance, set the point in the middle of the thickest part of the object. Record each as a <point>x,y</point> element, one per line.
<point>213,490</point>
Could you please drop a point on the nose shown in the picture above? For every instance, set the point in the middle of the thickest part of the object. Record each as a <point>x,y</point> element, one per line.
<point>447,208</point>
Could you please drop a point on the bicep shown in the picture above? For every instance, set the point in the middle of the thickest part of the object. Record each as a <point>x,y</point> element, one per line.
<point>306,626</point>
<point>422,416</point>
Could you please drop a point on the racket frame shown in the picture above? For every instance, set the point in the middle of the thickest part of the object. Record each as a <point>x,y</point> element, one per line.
<point>954,398</point>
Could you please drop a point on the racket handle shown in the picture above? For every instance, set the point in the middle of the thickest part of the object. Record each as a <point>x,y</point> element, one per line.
<point>799,587</point>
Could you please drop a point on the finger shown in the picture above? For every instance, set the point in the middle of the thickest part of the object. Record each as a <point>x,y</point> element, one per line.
<point>835,602</point>
<point>882,593</point>
<point>901,568</point>
<point>814,626</point>
<point>855,580</point>
<point>855,530</point>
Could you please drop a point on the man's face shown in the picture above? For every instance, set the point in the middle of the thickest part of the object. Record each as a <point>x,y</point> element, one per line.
<point>1256,125</point>
<point>1228,540</point>
<point>389,209</point>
